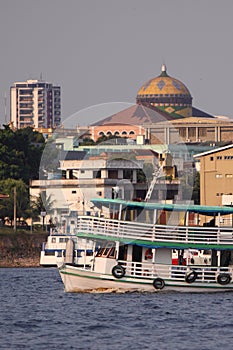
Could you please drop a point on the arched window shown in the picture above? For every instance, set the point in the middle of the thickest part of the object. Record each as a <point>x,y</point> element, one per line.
<point>101,133</point>
<point>109,133</point>
<point>124,132</point>
<point>131,132</point>
<point>116,133</point>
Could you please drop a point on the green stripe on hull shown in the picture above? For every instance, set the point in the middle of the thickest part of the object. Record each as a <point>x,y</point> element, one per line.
<point>168,283</point>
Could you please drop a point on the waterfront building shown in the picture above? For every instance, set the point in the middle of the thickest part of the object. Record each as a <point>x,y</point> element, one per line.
<point>216,176</point>
<point>82,176</point>
<point>36,104</point>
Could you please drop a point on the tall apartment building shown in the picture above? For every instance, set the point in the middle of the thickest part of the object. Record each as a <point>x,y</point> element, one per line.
<point>35,103</point>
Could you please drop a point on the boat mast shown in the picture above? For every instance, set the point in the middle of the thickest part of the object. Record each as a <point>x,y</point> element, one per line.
<point>156,174</point>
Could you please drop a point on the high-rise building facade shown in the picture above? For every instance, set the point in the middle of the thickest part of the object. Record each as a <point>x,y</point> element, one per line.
<point>35,103</point>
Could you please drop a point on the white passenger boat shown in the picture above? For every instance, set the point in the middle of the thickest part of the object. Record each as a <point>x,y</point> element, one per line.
<point>54,250</point>
<point>138,244</point>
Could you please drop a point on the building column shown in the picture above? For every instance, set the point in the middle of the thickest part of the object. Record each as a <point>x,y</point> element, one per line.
<point>216,134</point>
<point>197,134</point>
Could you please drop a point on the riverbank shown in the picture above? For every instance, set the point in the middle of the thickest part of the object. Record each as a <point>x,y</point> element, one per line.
<point>21,249</point>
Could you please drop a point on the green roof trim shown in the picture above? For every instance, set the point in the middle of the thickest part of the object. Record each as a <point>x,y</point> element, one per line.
<point>201,209</point>
<point>149,244</point>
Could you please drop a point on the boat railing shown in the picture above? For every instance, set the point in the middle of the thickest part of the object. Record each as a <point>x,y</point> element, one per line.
<point>155,233</point>
<point>173,272</point>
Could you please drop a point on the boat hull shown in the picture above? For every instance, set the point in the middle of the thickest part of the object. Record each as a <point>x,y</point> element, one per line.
<point>77,280</point>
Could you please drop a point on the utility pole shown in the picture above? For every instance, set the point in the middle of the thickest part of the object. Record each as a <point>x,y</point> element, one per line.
<point>15,193</point>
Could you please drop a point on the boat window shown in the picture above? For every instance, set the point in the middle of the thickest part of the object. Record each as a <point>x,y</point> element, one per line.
<point>63,240</point>
<point>107,251</point>
<point>112,252</point>
<point>49,253</point>
<point>53,240</point>
<point>206,252</point>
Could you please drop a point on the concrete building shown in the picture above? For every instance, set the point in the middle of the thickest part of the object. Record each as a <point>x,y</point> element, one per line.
<point>35,103</point>
<point>216,176</point>
<point>83,177</point>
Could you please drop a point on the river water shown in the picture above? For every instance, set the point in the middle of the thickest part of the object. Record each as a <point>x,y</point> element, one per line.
<point>36,313</point>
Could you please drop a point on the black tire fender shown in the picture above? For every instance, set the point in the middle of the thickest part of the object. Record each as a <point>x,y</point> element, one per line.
<point>118,271</point>
<point>158,283</point>
<point>224,278</point>
<point>191,276</point>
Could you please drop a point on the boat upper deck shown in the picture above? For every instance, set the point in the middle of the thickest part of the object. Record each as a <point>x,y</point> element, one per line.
<point>126,228</point>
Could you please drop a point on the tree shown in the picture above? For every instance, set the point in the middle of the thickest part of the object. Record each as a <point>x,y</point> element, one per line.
<point>22,200</point>
<point>42,203</point>
<point>20,153</point>
<point>196,189</point>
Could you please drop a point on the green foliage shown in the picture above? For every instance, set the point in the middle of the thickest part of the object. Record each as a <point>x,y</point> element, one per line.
<point>87,142</point>
<point>42,203</point>
<point>196,189</point>
<point>20,153</point>
<point>145,175</point>
<point>190,184</point>
<point>22,199</point>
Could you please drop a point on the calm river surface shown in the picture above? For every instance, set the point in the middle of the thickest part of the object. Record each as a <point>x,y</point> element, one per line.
<point>36,313</point>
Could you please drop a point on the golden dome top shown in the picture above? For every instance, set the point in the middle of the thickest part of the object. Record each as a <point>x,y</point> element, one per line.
<point>163,85</point>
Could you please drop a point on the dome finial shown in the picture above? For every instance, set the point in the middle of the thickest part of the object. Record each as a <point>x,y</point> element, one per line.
<point>164,68</point>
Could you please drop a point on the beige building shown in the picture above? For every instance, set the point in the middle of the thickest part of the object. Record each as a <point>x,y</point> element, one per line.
<point>216,176</point>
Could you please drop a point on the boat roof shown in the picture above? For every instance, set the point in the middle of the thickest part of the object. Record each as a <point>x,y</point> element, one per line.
<point>201,209</point>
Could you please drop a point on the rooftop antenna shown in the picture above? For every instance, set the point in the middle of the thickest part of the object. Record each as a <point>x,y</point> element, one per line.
<point>5,108</point>
<point>41,76</point>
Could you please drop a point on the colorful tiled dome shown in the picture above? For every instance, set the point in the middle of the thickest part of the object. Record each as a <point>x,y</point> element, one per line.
<point>166,93</point>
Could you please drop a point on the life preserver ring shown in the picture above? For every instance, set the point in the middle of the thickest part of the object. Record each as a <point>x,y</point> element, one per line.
<point>148,254</point>
<point>224,278</point>
<point>191,276</point>
<point>118,271</point>
<point>158,283</point>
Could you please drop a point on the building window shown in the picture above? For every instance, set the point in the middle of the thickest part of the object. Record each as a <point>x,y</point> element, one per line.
<point>113,174</point>
<point>131,132</point>
<point>219,157</point>
<point>74,192</point>
<point>211,158</point>
<point>124,133</point>
<point>82,171</point>
<point>99,193</point>
<point>218,176</point>
<point>97,174</point>
<point>229,176</point>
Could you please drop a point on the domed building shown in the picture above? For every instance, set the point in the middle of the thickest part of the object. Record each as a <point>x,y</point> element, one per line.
<point>167,94</point>
<point>163,114</point>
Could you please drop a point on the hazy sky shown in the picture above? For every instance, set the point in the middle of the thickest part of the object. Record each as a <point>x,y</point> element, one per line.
<point>102,51</point>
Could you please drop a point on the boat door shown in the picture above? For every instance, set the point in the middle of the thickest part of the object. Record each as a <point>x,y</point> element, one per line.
<point>137,253</point>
